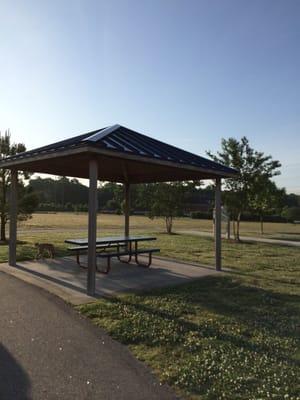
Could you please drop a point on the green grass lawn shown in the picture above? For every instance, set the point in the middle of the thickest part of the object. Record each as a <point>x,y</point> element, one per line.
<point>234,336</point>
<point>231,336</point>
<point>73,221</point>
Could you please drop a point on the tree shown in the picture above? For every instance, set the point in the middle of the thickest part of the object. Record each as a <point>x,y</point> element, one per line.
<point>253,165</point>
<point>111,197</point>
<point>264,198</point>
<point>291,214</point>
<point>292,200</point>
<point>27,200</point>
<point>166,200</point>
<point>60,191</point>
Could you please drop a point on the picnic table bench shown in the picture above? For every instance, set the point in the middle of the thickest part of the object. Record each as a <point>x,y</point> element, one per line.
<point>123,246</point>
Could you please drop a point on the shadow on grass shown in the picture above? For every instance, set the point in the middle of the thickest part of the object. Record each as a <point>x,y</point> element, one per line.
<point>258,277</point>
<point>255,308</point>
<point>210,322</point>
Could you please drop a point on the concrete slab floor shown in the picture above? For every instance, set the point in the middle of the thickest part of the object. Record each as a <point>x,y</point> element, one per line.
<point>64,278</point>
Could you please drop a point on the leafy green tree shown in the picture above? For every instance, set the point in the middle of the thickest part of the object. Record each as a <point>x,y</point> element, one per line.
<point>27,200</point>
<point>264,198</point>
<point>59,191</point>
<point>291,213</point>
<point>291,200</point>
<point>253,165</point>
<point>166,200</point>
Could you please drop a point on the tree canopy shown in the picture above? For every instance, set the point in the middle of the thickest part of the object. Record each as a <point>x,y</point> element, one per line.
<point>254,166</point>
<point>27,199</point>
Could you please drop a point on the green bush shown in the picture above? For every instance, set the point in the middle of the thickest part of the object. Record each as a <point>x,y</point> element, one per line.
<point>201,214</point>
<point>292,214</point>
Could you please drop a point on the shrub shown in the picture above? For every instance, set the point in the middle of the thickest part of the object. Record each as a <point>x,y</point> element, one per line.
<point>201,214</point>
<point>292,214</point>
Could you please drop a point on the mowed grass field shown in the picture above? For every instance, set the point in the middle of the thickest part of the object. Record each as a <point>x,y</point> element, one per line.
<point>231,336</point>
<point>68,221</point>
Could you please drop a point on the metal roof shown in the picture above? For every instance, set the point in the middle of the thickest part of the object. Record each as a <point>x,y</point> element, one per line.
<point>122,140</point>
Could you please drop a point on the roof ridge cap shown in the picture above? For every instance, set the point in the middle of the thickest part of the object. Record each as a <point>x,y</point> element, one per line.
<point>101,134</point>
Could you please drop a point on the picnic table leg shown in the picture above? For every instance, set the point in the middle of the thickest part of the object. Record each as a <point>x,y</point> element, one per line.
<point>130,249</point>
<point>130,255</point>
<point>78,260</point>
<point>142,264</point>
<point>137,257</point>
<point>107,268</point>
<point>108,265</point>
<point>136,249</point>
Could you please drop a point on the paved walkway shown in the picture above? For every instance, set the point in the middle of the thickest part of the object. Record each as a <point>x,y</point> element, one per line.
<point>47,351</point>
<point>246,238</point>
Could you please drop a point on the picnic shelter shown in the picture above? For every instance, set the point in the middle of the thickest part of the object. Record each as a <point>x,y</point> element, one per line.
<point>115,154</point>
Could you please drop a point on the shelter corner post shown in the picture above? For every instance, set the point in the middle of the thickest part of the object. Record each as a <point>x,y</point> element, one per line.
<point>13,219</point>
<point>92,226</point>
<point>218,241</point>
<point>127,207</point>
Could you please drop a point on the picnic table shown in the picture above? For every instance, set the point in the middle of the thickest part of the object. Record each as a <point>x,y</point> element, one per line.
<point>125,246</point>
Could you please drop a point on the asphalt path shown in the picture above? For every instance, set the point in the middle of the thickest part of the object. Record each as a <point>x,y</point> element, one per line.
<point>49,351</point>
<point>252,239</point>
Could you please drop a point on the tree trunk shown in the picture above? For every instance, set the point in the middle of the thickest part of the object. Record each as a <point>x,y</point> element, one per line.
<point>233,228</point>
<point>228,229</point>
<point>169,224</point>
<point>2,228</point>
<point>238,227</point>
<point>261,225</point>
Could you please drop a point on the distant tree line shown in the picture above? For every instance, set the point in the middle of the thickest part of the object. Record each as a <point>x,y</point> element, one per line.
<point>65,194</point>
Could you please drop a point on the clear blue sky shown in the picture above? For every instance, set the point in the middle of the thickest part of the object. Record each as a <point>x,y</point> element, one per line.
<point>186,72</point>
